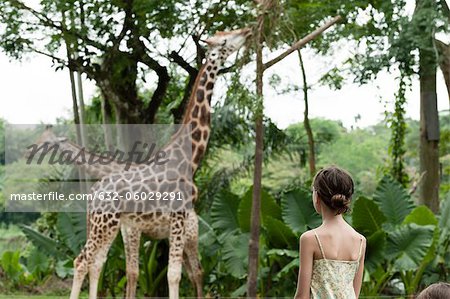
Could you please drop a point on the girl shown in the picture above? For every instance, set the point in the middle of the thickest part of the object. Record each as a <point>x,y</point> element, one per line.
<point>332,255</point>
<point>438,290</point>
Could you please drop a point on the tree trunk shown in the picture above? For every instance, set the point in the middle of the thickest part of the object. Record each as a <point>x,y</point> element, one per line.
<point>127,110</point>
<point>309,133</point>
<point>76,115</point>
<point>107,123</point>
<point>82,110</point>
<point>253,251</point>
<point>444,62</point>
<point>429,124</point>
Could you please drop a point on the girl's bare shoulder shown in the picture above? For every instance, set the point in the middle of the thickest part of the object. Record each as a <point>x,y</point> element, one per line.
<point>307,237</point>
<point>358,235</point>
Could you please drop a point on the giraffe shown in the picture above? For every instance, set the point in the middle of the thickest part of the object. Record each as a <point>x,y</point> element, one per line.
<point>180,225</point>
<point>97,171</point>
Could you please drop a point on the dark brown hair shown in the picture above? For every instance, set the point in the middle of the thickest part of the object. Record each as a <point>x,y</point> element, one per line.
<point>335,188</point>
<point>438,290</point>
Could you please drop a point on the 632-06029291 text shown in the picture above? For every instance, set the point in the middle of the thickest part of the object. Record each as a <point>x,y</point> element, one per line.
<point>57,196</point>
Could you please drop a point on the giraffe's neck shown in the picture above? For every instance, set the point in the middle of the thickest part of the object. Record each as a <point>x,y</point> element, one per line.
<point>198,112</point>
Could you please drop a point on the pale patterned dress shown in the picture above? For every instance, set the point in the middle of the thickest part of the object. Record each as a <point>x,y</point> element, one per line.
<point>333,279</point>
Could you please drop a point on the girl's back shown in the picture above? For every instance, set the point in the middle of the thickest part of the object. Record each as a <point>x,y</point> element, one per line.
<point>336,262</point>
<point>339,242</point>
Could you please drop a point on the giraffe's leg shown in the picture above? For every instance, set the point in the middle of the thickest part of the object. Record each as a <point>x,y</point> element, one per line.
<point>176,248</point>
<point>100,254</point>
<point>80,270</point>
<point>131,240</point>
<point>94,254</point>
<point>188,267</point>
<point>191,251</point>
<point>95,268</point>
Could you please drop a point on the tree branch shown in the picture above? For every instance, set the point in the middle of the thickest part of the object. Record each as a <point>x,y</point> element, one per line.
<point>301,42</point>
<point>163,82</point>
<point>193,72</point>
<point>201,53</point>
<point>46,21</point>
<point>127,23</point>
<point>183,63</point>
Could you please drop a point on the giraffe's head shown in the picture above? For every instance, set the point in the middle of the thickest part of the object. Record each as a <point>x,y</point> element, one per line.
<point>47,137</point>
<point>223,44</point>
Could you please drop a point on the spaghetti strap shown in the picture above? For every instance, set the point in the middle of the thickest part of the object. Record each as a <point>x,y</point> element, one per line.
<point>320,244</point>
<point>360,249</point>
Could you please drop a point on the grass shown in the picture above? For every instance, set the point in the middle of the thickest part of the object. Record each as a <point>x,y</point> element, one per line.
<point>32,296</point>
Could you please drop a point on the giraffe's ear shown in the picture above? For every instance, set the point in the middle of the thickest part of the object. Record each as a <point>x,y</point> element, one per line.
<point>211,42</point>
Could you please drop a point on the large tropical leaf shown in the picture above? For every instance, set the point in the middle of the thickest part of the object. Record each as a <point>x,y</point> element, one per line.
<point>269,207</point>
<point>72,230</point>
<point>298,210</point>
<point>376,245</point>
<point>366,216</point>
<point>64,268</point>
<point>207,235</point>
<point>224,211</point>
<point>37,262</point>
<point>43,242</point>
<point>286,269</point>
<point>408,245</point>
<point>412,286</point>
<point>235,255</point>
<point>393,200</point>
<point>421,215</point>
<point>279,234</point>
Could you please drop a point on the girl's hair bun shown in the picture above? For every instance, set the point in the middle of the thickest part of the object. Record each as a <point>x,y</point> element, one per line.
<point>340,203</point>
<point>335,188</point>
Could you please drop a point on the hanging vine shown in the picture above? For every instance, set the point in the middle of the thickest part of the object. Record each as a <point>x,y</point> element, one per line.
<point>398,126</point>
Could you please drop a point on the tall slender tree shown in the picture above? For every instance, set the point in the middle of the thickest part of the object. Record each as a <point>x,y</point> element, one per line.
<point>429,117</point>
<point>263,7</point>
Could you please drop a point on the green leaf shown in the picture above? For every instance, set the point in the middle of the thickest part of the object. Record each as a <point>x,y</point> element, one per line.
<point>429,257</point>
<point>421,215</point>
<point>269,207</point>
<point>43,242</point>
<point>37,262</point>
<point>72,229</point>
<point>408,245</point>
<point>279,234</point>
<point>298,211</point>
<point>224,211</point>
<point>64,268</point>
<point>10,264</point>
<point>393,200</point>
<point>286,269</point>
<point>366,216</point>
<point>235,255</point>
<point>376,245</point>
